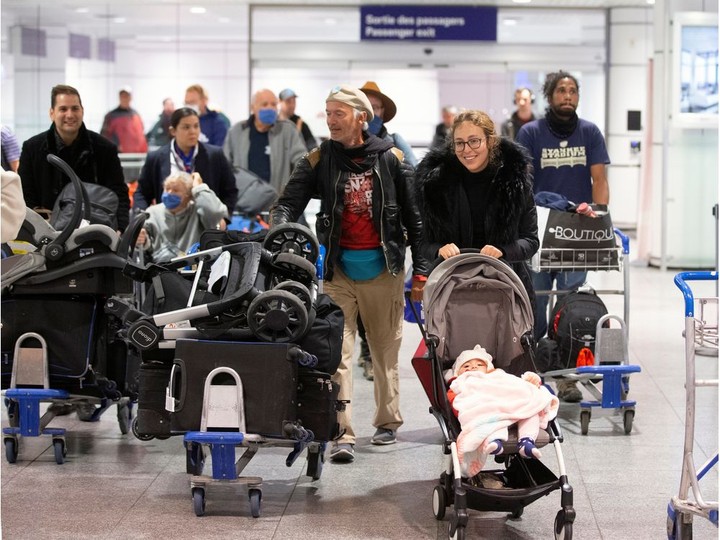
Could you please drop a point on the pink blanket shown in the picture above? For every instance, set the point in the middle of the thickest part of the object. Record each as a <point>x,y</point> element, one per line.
<point>487,404</point>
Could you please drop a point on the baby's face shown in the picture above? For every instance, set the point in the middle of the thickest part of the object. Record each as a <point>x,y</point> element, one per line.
<point>473,365</point>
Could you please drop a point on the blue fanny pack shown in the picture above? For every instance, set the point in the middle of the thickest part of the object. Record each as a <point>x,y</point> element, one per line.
<point>362,264</point>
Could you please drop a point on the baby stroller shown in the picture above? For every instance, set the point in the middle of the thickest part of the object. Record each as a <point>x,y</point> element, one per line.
<point>471,299</point>
<point>57,344</point>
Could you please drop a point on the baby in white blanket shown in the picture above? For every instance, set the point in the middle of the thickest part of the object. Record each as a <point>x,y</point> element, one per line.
<point>487,401</point>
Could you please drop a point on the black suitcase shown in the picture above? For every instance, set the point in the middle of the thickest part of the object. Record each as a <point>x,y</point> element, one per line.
<point>267,372</point>
<point>318,404</point>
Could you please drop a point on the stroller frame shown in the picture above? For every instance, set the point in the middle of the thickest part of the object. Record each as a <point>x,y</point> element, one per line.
<point>530,478</point>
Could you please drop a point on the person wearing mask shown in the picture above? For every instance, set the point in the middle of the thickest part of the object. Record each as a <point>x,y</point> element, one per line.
<point>569,158</point>
<point>263,144</point>
<point>448,114</point>
<point>288,102</point>
<point>524,100</point>
<point>367,214</point>
<point>185,154</point>
<point>214,125</point>
<point>384,110</point>
<point>159,134</point>
<point>124,127</point>
<point>477,193</point>
<point>93,158</point>
<point>188,208</point>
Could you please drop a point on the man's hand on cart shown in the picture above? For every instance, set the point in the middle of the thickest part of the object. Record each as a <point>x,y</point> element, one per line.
<point>586,210</point>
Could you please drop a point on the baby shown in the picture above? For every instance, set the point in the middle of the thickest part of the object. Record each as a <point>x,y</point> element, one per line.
<point>487,401</point>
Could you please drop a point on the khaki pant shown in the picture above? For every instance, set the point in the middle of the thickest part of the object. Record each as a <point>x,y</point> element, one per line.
<point>381,303</point>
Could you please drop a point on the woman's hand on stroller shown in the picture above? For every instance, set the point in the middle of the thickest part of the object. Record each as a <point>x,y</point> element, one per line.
<point>491,251</point>
<point>448,250</point>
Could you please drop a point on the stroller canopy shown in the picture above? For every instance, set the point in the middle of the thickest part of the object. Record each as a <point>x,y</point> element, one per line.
<point>474,299</point>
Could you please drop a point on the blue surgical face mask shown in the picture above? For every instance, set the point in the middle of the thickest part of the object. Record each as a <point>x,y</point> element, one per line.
<point>375,125</point>
<point>171,200</point>
<point>267,116</point>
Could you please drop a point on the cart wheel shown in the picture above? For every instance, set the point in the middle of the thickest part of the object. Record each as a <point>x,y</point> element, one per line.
<point>316,460</point>
<point>675,526</point>
<point>124,417</point>
<point>585,421</point>
<point>198,497</point>
<point>277,317</point>
<point>299,290</point>
<point>517,513</point>
<point>60,451</point>
<point>628,417</point>
<point>11,449</point>
<point>195,459</point>
<point>138,435</point>
<point>563,529</point>
<point>439,502</point>
<point>295,267</point>
<point>255,496</point>
<point>293,238</point>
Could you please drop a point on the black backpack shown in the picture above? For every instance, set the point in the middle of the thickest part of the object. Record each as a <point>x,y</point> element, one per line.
<point>573,324</point>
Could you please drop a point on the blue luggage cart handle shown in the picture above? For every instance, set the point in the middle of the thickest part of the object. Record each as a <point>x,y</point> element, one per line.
<point>680,280</point>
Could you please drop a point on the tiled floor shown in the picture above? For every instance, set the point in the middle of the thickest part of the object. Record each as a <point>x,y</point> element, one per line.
<point>114,486</point>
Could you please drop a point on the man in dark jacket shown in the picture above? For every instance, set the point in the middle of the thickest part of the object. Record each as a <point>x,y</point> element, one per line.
<point>92,157</point>
<point>367,205</point>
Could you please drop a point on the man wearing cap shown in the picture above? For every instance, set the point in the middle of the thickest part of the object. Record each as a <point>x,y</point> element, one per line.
<point>288,101</point>
<point>124,127</point>
<point>384,110</point>
<point>263,144</point>
<point>367,211</point>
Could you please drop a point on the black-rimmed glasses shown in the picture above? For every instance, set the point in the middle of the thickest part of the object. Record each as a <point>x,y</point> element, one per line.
<point>473,143</point>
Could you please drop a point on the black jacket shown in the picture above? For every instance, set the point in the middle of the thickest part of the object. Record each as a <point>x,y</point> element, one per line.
<point>511,219</point>
<point>315,176</point>
<point>210,163</point>
<point>92,157</point>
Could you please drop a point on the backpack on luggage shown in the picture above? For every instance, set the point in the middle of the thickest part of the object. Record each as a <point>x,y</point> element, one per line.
<point>573,324</point>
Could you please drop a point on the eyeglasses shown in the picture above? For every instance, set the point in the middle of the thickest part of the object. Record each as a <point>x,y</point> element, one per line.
<point>473,143</point>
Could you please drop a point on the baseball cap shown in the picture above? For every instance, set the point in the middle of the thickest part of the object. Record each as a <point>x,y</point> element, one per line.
<point>287,93</point>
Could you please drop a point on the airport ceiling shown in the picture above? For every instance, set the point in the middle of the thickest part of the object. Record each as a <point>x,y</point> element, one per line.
<point>222,19</point>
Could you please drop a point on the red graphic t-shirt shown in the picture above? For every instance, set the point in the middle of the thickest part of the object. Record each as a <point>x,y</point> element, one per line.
<point>358,231</point>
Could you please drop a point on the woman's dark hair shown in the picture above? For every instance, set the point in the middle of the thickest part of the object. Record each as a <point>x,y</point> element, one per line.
<point>485,123</point>
<point>552,80</point>
<point>179,114</point>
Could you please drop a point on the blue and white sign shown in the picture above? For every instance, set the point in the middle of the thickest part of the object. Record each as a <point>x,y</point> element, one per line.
<point>428,23</point>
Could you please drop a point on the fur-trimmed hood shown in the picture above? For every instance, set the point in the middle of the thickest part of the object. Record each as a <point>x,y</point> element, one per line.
<point>439,183</point>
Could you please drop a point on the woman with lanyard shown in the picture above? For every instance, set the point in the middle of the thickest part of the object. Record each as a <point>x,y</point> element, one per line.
<point>184,153</point>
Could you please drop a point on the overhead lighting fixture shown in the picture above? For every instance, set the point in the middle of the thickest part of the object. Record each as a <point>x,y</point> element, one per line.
<point>119,20</point>
<point>510,22</point>
<point>224,20</point>
<point>331,21</point>
<point>82,10</point>
<point>198,10</point>
<point>521,1</point>
<point>651,2</point>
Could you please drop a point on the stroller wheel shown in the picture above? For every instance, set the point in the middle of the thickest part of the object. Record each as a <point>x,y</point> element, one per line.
<point>299,290</point>
<point>293,238</point>
<point>277,317</point>
<point>439,502</point>
<point>295,267</point>
<point>459,532</point>
<point>563,529</point>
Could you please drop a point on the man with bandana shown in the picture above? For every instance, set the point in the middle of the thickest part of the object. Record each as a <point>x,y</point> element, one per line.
<point>263,144</point>
<point>570,158</point>
<point>367,211</point>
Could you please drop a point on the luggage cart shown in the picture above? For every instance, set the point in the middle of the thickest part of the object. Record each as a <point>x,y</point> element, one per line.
<point>611,364</point>
<point>222,428</point>
<point>701,332</point>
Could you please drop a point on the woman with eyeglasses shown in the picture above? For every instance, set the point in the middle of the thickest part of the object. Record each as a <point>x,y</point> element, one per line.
<point>476,192</point>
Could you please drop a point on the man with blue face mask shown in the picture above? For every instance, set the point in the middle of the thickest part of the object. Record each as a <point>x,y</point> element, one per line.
<point>188,208</point>
<point>263,144</point>
<point>384,110</point>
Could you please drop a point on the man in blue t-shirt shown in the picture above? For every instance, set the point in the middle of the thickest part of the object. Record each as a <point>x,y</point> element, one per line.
<point>569,157</point>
